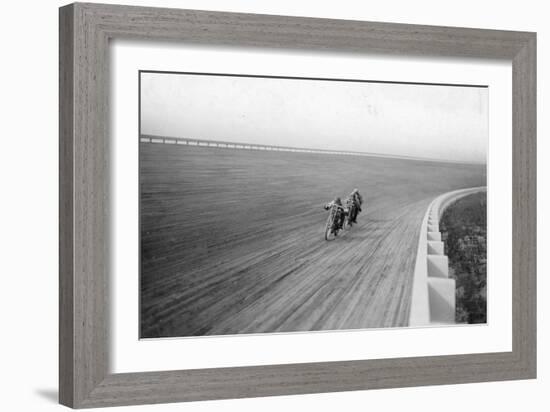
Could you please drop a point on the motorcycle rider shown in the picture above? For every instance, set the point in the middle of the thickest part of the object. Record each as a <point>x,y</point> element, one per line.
<point>357,201</point>
<point>339,212</point>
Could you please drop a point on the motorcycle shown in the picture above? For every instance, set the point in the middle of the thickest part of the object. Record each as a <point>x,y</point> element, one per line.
<point>350,211</point>
<point>335,222</point>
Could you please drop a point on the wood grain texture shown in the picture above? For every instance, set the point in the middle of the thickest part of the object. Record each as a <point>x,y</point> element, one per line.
<point>66,228</point>
<point>85,30</point>
<point>232,239</point>
<point>524,225</point>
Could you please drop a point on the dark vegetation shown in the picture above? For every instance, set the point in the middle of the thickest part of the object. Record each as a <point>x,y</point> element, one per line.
<point>464,230</point>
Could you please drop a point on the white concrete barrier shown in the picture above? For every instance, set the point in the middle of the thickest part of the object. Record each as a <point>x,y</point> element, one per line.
<point>442,294</point>
<point>433,299</point>
<point>438,266</point>
<point>435,247</point>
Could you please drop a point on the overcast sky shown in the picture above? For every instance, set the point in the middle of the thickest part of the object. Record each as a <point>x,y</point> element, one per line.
<point>437,122</point>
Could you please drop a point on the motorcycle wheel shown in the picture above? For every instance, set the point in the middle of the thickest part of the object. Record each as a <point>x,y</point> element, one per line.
<point>347,220</point>
<point>346,225</point>
<point>329,233</point>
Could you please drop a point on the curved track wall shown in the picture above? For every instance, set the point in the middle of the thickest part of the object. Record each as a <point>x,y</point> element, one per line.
<point>433,294</point>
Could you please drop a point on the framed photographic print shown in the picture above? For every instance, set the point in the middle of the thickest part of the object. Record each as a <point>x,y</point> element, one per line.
<point>257,205</point>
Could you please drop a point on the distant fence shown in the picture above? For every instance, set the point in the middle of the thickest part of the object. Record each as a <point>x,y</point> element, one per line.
<point>246,146</point>
<point>185,141</point>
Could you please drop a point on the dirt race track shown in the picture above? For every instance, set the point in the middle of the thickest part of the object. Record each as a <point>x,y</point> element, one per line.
<point>232,240</point>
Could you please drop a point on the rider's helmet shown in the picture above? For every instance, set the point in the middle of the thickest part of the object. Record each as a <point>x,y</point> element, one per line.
<point>355,191</point>
<point>338,201</point>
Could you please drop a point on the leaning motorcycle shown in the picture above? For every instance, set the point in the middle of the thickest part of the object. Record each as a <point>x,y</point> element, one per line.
<point>333,225</point>
<point>349,212</point>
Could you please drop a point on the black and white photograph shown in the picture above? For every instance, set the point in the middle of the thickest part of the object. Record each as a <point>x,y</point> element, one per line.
<point>238,206</point>
<point>283,204</point>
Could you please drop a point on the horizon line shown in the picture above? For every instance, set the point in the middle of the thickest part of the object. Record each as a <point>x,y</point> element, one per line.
<point>151,138</point>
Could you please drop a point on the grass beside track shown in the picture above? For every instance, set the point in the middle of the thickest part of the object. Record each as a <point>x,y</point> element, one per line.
<point>464,230</point>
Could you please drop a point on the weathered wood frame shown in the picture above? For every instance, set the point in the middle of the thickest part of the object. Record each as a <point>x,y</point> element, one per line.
<point>85,30</point>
